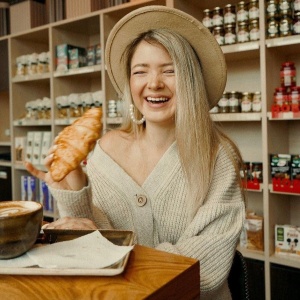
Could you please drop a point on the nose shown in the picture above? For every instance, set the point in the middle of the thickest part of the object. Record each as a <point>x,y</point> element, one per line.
<point>155,82</point>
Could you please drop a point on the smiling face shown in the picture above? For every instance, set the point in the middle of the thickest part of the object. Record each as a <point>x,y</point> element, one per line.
<point>152,83</point>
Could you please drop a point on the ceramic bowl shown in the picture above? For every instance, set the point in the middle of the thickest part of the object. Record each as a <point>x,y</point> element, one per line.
<point>20,225</point>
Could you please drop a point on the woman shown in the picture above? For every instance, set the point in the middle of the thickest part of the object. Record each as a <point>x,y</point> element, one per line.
<point>169,174</point>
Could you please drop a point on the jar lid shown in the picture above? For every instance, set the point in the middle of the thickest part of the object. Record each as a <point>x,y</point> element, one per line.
<point>288,64</point>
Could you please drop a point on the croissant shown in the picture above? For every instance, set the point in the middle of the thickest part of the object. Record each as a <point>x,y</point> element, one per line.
<point>75,142</point>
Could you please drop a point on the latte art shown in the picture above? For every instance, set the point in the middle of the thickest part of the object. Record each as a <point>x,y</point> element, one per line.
<point>12,211</point>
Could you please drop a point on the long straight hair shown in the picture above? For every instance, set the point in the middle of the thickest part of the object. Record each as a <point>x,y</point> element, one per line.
<point>198,137</point>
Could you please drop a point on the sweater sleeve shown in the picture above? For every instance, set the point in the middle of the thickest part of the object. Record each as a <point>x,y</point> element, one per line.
<point>212,235</point>
<point>78,204</point>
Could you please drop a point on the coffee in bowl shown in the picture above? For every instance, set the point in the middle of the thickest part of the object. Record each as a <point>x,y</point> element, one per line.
<point>20,225</point>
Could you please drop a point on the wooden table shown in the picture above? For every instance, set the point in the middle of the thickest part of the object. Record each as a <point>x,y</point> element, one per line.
<point>149,274</point>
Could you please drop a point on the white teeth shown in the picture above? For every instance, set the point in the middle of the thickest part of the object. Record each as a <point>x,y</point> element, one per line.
<point>157,99</point>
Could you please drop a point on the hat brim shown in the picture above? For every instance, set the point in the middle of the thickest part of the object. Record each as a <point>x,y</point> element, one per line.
<point>152,17</point>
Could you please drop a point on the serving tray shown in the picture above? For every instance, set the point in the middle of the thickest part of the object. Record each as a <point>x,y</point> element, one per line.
<point>50,236</point>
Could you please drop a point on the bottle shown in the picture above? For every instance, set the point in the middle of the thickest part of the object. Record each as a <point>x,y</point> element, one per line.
<point>218,33</point>
<point>272,10</point>
<point>242,12</point>
<point>224,103</point>
<point>253,10</point>
<point>254,30</point>
<point>272,28</point>
<point>217,18</point>
<point>256,102</point>
<point>296,23</point>
<point>280,96</point>
<point>229,15</point>
<point>288,74</point>
<point>286,26</point>
<point>243,33</point>
<point>246,103</point>
<point>207,19</point>
<point>234,105</point>
<point>230,34</point>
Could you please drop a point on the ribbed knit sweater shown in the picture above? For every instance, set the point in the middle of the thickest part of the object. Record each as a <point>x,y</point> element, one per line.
<point>111,201</point>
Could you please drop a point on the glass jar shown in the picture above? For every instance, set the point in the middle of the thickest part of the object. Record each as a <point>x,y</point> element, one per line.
<point>242,13</point>
<point>253,8</point>
<point>272,28</point>
<point>286,26</point>
<point>246,102</point>
<point>272,10</point>
<point>207,19</point>
<point>224,103</point>
<point>288,74</point>
<point>296,5</point>
<point>229,15</point>
<point>280,96</point>
<point>285,6</point>
<point>256,102</point>
<point>296,23</point>
<point>254,30</point>
<point>217,17</point>
<point>294,95</point>
<point>218,33</point>
<point>230,34</point>
<point>234,105</point>
<point>243,33</point>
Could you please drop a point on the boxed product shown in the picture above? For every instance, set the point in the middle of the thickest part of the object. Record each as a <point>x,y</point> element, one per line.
<point>77,58</point>
<point>24,187</point>
<point>280,165</point>
<point>46,143</point>
<point>295,166</point>
<point>252,237</point>
<point>62,57</point>
<point>37,146</point>
<point>287,239</point>
<point>29,145</point>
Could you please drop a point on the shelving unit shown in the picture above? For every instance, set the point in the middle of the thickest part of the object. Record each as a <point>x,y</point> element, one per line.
<point>252,66</point>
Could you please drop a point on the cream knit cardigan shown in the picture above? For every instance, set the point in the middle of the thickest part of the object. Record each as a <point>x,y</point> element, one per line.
<point>110,200</point>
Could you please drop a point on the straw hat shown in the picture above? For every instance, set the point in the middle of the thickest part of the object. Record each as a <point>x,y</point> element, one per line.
<point>152,17</point>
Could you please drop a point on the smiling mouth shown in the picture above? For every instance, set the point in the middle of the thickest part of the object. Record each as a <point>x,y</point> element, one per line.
<point>157,100</point>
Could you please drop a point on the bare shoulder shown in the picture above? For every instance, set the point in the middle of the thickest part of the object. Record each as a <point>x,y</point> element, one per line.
<point>114,140</point>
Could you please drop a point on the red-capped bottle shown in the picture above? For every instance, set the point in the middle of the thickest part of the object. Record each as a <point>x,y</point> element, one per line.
<point>288,74</point>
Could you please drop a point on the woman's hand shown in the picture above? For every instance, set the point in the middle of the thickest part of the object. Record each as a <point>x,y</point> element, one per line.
<point>71,223</point>
<point>74,181</point>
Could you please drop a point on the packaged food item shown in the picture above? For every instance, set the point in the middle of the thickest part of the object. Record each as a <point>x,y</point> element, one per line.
<point>77,58</point>
<point>280,166</point>
<point>295,166</point>
<point>207,19</point>
<point>287,240</point>
<point>252,237</point>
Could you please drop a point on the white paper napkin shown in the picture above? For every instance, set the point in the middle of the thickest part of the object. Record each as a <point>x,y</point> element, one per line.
<point>90,251</point>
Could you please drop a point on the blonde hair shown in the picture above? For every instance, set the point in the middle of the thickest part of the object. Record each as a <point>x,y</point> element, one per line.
<point>197,136</point>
